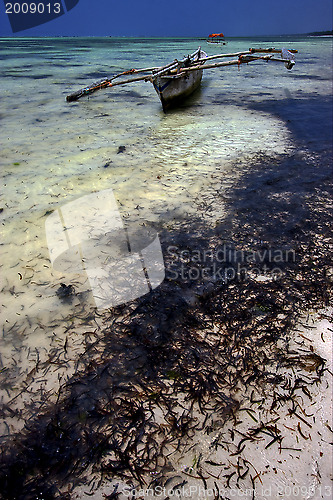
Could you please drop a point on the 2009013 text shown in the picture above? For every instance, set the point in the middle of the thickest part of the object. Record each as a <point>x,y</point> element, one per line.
<point>33,8</point>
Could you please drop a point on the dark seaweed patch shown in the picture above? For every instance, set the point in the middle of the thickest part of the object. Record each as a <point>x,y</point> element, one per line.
<point>191,356</point>
<point>41,77</point>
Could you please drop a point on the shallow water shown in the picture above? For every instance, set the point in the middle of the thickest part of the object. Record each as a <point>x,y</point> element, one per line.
<point>54,152</point>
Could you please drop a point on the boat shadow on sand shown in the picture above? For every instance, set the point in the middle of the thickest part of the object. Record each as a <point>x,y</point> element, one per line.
<point>184,359</point>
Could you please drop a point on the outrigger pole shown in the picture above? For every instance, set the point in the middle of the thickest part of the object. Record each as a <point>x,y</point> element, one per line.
<point>174,68</point>
<point>243,58</point>
<point>107,82</point>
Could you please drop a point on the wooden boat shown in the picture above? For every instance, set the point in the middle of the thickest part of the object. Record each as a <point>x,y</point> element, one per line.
<point>178,79</point>
<point>216,38</point>
<point>175,85</point>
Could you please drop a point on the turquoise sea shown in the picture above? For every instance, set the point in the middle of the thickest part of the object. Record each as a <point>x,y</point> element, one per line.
<point>164,169</point>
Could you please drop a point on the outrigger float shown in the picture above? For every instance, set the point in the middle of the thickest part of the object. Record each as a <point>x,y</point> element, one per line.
<point>178,79</point>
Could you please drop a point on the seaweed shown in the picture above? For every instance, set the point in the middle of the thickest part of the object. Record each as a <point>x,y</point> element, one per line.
<point>188,358</point>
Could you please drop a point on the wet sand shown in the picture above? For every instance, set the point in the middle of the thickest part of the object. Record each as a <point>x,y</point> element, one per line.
<point>240,166</point>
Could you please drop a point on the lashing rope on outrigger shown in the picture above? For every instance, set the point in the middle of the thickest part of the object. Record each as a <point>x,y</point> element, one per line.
<point>101,84</point>
<point>242,57</point>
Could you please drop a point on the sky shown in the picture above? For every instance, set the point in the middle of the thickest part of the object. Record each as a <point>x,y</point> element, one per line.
<point>175,18</point>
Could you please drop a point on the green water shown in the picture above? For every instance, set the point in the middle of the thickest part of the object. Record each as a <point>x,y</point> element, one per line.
<point>173,164</point>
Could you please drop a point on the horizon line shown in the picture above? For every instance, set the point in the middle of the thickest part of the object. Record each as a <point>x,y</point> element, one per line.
<point>313,33</point>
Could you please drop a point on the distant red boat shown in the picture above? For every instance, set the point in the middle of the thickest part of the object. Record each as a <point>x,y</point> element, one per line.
<point>217,38</point>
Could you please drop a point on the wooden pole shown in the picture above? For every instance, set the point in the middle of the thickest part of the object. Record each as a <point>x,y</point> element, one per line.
<point>250,51</point>
<point>154,75</point>
<point>220,56</point>
<point>243,57</point>
<point>107,82</point>
<point>273,51</point>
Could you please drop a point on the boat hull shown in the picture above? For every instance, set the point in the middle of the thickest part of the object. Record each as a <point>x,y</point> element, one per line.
<point>221,42</point>
<point>175,85</point>
<point>174,89</point>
